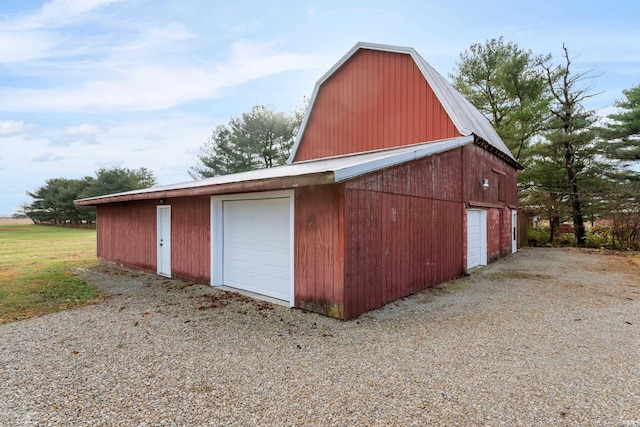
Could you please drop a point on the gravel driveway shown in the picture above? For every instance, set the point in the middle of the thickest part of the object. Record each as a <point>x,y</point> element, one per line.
<point>544,337</point>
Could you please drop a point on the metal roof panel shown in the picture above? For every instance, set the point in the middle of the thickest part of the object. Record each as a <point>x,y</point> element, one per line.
<point>341,167</point>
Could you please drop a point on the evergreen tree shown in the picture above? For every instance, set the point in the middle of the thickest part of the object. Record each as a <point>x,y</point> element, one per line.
<point>622,132</point>
<point>572,137</point>
<point>506,84</point>
<point>259,139</point>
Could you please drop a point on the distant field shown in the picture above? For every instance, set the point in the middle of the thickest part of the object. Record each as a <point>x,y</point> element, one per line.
<point>36,269</point>
<point>14,221</point>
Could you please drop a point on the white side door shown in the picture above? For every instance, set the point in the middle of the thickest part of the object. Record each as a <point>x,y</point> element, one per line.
<point>164,240</point>
<point>476,238</point>
<point>514,231</point>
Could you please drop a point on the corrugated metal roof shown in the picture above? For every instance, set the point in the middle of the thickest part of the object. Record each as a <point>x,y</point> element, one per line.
<point>338,169</point>
<point>467,118</point>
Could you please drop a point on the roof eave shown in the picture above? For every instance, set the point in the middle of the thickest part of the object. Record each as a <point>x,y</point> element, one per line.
<point>267,184</point>
<point>510,160</point>
<point>425,150</point>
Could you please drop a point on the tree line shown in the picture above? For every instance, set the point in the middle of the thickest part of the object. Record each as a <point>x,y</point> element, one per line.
<point>578,166</point>
<point>53,202</point>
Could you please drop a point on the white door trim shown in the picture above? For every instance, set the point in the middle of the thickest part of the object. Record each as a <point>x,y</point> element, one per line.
<point>163,245</point>
<point>483,237</point>
<point>217,233</point>
<point>514,231</point>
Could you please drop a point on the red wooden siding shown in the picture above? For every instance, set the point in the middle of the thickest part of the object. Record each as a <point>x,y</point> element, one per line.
<point>494,235</point>
<point>403,231</point>
<point>375,100</point>
<point>190,238</point>
<point>497,199</point>
<point>479,164</point>
<point>127,234</point>
<point>505,232</point>
<point>319,255</point>
<point>498,233</point>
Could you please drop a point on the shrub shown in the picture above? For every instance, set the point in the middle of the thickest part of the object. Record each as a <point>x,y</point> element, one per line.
<point>599,238</point>
<point>538,236</point>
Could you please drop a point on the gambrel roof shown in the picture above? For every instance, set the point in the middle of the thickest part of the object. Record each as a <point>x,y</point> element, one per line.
<point>467,119</point>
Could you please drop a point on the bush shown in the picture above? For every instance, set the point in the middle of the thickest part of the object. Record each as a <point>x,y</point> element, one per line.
<point>538,236</point>
<point>597,238</point>
<point>565,239</point>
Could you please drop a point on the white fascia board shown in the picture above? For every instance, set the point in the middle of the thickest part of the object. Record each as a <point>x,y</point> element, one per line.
<point>349,172</point>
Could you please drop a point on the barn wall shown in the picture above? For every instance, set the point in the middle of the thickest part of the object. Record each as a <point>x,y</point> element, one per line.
<point>480,163</point>
<point>403,231</point>
<point>375,100</point>
<point>498,199</point>
<point>498,232</point>
<point>127,234</point>
<point>190,237</point>
<point>494,233</point>
<point>319,254</point>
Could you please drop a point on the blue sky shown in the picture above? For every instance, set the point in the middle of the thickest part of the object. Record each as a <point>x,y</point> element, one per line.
<point>133,83</point>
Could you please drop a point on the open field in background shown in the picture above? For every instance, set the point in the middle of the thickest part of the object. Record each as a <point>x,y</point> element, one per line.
<point>37,269</point>
<point>14,221</point>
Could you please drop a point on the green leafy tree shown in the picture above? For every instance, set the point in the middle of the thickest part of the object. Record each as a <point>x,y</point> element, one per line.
<point>507,85</point>
<point>53,202</point>
<point>259,139</point>
<point>115,180</point>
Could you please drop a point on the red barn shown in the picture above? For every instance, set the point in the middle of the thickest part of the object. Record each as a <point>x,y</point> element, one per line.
<point>395,183</point>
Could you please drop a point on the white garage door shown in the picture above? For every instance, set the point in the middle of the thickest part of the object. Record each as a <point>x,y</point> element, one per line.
<point>476,238</point>
<point>256,246</point>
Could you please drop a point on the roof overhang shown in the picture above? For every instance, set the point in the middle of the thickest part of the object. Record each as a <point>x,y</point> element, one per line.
<point>510,160</point>
<point>301,174</point>
<point>256,185</point>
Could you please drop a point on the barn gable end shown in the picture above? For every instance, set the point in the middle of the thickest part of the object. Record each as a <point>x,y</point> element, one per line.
<point>379,97</point>
<point>376,100</point>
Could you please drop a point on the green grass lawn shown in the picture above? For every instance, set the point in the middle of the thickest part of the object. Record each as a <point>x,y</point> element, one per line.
<point>37,269</point>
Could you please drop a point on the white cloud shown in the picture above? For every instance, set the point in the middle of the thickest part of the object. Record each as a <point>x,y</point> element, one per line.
<point>153,136</point>
<point>57,13</point>
<point>46,157</point>
<point>156,85</point>
<point>115,163</point>
<point>39,34</point>
<point>156,37</point>
<point>83,134</point>
<point>17,128</point>
<point>27,45</point>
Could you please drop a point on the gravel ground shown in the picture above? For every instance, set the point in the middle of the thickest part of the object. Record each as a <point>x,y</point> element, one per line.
<point>543,337</point>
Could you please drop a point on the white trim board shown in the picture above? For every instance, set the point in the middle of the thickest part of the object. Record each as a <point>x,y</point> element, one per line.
<point>217,233</point>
